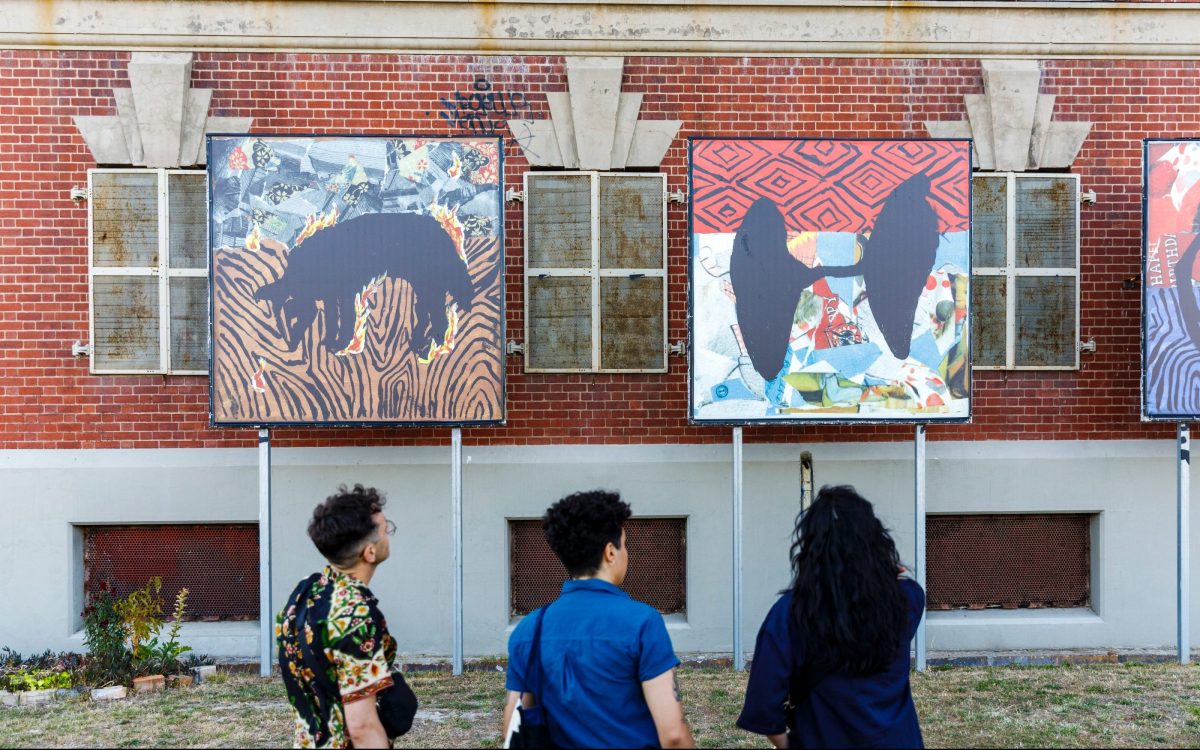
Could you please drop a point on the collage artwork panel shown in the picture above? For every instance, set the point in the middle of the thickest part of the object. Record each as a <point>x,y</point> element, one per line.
<point>356,280</point>
<point>1171,312</point>
<point>830,280</point>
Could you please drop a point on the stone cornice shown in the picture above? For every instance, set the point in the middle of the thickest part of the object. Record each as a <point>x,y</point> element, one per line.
<point>873,28</point>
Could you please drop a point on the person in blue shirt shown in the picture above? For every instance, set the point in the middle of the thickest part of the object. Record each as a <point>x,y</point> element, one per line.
<point>831,663</point>
<point>607,664</point>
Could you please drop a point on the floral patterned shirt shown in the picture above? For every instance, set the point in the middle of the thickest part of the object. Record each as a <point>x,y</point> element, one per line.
<point>331,622</point>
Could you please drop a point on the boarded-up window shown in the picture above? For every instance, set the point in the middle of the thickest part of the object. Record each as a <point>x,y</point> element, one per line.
<point>657,572</point>
<point>1025,258</point>
<point>595,270</point>
<point>149,268</point>
<point>1008,561</point>
<point>216,563</point>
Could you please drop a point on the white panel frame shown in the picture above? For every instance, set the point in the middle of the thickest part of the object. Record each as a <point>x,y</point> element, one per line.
<point>162,271</point>
<point>1010,271</point>
<point>594,272</point>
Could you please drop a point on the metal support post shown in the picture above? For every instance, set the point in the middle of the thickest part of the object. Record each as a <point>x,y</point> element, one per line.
<point>739,655</point>
<point>1183,546</point>
<point>919,517</point>
<point>457,528</point>
<point>265,618</point>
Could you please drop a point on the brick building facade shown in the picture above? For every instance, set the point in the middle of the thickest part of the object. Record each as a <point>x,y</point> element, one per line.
<point>82,450</point>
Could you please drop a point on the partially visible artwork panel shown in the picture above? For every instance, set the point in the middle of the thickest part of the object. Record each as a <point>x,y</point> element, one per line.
<point>356,280</point>
<point>830,280</point>
<point>1171,312</point>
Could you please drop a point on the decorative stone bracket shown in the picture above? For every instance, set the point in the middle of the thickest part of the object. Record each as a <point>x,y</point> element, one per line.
<point>161,120</point>
<point>1011,124</point>
<point>593,125</point>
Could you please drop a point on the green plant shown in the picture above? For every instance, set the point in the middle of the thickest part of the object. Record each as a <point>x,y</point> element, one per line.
<point>26,679</point>
<point>165,655</point>
<point>141,612</point>
<point>109,659</point>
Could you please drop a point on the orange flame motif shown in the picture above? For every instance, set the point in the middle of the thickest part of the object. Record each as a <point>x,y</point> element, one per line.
<point>362,311</point>
<point>447,345</point>
<point>315,223</point>
<point>456,168</point>
<point>254,240</point>
<point>448,218</point>
<point>258,381</point>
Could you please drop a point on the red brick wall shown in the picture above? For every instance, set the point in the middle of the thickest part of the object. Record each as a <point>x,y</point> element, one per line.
<point>48,399</point>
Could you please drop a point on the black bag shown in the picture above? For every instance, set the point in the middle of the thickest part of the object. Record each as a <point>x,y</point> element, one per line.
<point>397,705</point>
<point>534,731</point>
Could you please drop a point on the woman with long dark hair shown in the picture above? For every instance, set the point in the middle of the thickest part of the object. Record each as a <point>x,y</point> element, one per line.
<point>832,659</point>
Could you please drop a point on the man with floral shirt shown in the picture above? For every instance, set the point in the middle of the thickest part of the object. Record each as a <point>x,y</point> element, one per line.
<point>335,653</point>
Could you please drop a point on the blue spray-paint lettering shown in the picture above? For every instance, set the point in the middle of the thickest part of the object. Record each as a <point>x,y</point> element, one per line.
<point>481,111</point>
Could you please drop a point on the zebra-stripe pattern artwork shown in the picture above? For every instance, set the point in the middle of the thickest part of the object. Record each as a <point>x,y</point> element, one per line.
<point>356,281</point>
<point>1171,310</point>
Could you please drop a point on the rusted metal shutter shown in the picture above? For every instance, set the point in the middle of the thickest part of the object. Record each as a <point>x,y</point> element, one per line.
<point>595,272</point>
<point>632,332</point>
<point>989,249</point>
<point>1046,218</point>
<point>1025,271</point>
<point>657,565</point>
<point>187,233</point>
<point>1008,561</point>
<point>559,241</point>
<point>125,307</point>
<point>216,563</point>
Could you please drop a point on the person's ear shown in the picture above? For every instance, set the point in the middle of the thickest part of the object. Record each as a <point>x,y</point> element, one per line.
<point>610,553</point>
<point>368,553</point>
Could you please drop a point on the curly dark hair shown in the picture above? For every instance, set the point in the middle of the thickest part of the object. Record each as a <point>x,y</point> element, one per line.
<point>342,525</point>
<point>579,526</point>
<point>846,601</point>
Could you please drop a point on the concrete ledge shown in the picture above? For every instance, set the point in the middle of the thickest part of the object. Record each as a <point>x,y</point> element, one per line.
<point>874,28</point>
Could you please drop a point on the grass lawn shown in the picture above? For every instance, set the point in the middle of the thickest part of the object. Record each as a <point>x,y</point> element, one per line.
<point>1065,706</point>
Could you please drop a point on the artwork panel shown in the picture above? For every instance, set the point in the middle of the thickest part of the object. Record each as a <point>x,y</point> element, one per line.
<point>1171,308</point>
<point>830,280</point>
<point>355,280</point>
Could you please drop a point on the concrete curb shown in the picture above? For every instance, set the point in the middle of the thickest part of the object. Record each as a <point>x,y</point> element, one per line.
<point>937,659</point>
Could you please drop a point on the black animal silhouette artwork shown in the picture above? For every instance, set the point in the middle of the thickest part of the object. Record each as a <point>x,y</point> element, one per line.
<point>896,261</point>
<point>335,264</point>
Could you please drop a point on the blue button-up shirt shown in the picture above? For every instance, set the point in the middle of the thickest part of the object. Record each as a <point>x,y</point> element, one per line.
<point>598,647</point>
<point>841,710</point>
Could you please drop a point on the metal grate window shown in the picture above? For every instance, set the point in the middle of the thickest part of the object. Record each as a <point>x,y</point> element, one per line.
<point>657,565</point>
<point>149,269</point>
<point>1025,271</point>
<point>217,563</point>
<point>1008,561</point>
<point>595,272</point>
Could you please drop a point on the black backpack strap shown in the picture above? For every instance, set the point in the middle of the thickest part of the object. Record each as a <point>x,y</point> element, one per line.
<point>533,669</point>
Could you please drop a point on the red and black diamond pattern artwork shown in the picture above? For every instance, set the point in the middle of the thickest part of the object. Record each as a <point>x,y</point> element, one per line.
<point>830,280</point>
<point>823,185</point>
